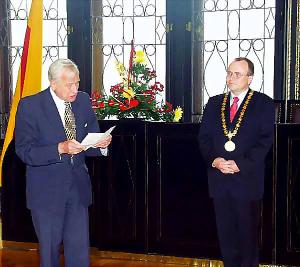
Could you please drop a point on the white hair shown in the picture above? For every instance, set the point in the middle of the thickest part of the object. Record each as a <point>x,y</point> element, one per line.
<point>57,66</point>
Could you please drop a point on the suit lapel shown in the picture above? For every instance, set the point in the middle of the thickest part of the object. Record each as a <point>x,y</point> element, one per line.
<point>52,114</point>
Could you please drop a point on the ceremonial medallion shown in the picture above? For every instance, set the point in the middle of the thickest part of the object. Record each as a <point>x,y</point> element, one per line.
<point>229,146</point>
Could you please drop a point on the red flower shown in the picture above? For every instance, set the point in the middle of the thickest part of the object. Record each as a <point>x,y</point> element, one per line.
<point>123,107</point>
<point>160,86</point>
<point>168,107</point>
<point>157,86</point>
<point>128,104</point>
<point>132,103</point>
<point>152,74</point>
<point>149,92</point>
<point>116,87</point>
<point>96,96</point>
<point>101,105</point>
<point>111,102</point>
<point>132,52</point>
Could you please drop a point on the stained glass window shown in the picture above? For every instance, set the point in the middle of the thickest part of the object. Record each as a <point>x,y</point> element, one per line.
<point>234,28</point>
<point>115,23</point>
<point>54,34</point>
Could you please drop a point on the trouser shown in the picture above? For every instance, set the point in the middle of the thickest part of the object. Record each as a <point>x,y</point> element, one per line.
<point>67,225</point>
<point>238,224</point>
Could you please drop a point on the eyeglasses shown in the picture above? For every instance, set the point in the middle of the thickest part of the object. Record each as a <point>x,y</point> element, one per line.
<point>235,75</point>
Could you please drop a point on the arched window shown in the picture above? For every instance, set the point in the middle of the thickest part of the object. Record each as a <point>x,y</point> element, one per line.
<point>237,28</point>
<point>54,34</point>
<point>114,24</point>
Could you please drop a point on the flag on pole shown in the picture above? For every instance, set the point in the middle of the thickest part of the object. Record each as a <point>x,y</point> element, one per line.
<point>30,70</point>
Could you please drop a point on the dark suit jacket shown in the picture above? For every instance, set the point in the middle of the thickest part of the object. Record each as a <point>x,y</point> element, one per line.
<point>253,141</point>
<point>38,131</point>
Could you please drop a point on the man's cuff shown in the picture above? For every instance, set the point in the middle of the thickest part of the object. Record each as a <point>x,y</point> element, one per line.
<point>104,151</point>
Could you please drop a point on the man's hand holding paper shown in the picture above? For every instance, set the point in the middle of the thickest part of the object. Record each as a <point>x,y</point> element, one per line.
<point>103,143</point>
<point>71,147</point>
<point>97,140</point>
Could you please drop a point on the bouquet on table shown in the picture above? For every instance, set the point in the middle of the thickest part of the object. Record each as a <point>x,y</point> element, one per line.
<point>137,95</point>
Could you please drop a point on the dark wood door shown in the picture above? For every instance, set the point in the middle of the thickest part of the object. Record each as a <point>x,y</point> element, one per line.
<point>287,194</point>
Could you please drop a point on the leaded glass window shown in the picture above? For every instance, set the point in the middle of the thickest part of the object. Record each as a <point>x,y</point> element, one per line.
<point>234,28</point>
<point>54,34</point>
<point>114,24</point>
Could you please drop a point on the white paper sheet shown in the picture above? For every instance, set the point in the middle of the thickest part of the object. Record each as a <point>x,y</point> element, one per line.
<point>93,138</point>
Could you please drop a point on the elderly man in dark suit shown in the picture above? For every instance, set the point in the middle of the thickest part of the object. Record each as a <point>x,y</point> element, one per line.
<point>49,128</point>
<point>235,135</point>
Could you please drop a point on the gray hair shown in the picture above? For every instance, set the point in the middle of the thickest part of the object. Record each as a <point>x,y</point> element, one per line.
<point>57,66</point>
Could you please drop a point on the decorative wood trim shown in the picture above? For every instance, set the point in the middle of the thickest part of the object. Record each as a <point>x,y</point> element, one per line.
<point>297,65</point>
<point>293,106</point>
<point>288,51</point>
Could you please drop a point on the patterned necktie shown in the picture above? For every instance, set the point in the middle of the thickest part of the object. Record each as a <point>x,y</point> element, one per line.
<point>234,108</point>
<point>70,126</point>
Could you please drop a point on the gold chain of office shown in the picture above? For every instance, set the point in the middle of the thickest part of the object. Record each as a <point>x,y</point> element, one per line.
<point>227,133</point>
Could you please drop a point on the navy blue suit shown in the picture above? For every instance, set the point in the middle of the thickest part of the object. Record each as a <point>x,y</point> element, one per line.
<point>58,191</point>
<point>236,196</point>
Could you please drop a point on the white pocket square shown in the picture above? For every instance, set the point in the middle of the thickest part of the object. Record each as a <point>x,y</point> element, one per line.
<point>85,125</point>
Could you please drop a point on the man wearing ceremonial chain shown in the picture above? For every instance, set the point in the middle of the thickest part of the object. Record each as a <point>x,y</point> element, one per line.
<point>236,133</point>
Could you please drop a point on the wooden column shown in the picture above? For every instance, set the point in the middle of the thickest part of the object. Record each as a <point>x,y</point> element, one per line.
<point>197,60</point>
<point>97,41</point>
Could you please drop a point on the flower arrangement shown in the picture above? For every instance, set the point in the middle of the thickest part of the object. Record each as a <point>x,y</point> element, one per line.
<point>136,96</point>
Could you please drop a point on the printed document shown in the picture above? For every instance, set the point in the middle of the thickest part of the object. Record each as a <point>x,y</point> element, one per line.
<point>92,139</point>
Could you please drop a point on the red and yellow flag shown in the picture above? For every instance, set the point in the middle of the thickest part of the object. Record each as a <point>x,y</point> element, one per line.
<point>30,70</point>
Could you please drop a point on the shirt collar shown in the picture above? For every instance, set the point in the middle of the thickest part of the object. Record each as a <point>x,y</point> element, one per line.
<point>241,96</point>
<point>57,100</point>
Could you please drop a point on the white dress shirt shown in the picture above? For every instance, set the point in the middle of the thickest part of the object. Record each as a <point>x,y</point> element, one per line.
<point>241,97</point>
<point>60,104</point>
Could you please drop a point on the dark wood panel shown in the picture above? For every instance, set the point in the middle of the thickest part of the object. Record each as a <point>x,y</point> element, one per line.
<point>151,195</point>
<point>16,218</point>
<point>119,189</point>
<point>266,231</point>
<point>287,194</point>
<point>182,213</point>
